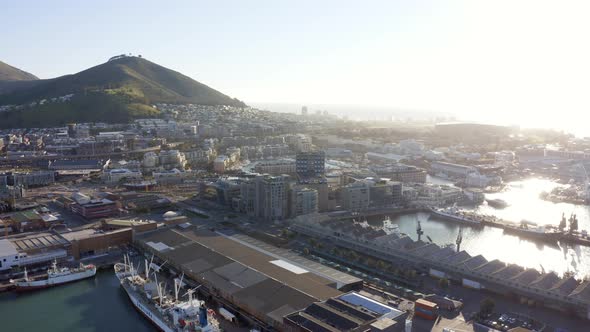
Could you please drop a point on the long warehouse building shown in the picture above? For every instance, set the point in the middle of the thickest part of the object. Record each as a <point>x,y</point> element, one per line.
<point>263,281</point>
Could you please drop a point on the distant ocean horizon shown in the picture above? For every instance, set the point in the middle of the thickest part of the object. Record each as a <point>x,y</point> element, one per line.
<point>384,113</point>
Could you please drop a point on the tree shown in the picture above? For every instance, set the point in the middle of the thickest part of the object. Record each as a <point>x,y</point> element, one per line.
<point>284,233</point>
<point>444,283</point>
<point>306,251</point>
<point>312,242</point>
<point>486,307</point>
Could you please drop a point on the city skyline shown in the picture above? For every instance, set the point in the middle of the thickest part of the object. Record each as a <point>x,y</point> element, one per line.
<point>514,62</point>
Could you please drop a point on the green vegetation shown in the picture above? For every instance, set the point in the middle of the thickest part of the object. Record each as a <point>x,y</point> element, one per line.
<point>486,307</point>
<point>115,91</point>
<point>444,283</point>
<point>10,73</point>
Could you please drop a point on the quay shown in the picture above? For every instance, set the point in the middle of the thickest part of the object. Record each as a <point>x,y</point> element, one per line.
<point>544,289</point>
<point>102,262</point>
<point>471,219</point>
<point>550,235</point>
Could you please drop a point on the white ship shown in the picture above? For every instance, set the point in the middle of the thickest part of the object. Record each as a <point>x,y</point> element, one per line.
<point>390,227</point>
<point>56,276</point>
<point>168,314</point>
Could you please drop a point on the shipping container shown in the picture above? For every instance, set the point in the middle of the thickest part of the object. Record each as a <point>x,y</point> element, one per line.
<point>426,309</point>
<point>422,303</point>
<point>227,315</point>
<point>425,313</point>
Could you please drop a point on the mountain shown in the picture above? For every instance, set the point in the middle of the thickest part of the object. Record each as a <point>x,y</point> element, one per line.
<point>10,73</point>
<point>119,90</point>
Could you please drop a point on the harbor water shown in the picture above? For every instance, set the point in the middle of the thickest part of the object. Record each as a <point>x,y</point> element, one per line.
<point>524,203</point>
<point>90,305</point>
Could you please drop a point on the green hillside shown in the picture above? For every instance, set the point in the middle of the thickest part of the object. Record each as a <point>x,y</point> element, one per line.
<point>116,91</point>
<point>10,73</point>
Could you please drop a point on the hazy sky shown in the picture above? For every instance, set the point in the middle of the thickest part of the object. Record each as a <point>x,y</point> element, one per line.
<point>510,60</point>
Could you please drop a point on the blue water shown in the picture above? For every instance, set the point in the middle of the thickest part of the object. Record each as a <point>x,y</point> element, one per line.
<point>97,304</point>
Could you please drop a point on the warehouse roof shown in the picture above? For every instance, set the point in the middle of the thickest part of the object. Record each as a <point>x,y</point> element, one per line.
<point>39,241</point>
<point>243,271</point>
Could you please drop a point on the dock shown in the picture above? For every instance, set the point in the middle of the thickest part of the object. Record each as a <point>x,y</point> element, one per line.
<point>476,220</point>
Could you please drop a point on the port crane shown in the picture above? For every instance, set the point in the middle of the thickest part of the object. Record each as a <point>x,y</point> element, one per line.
<point>459,239</point>
<point>419,230</point>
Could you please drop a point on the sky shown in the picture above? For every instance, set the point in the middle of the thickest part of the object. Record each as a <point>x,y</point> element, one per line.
<point>517,62</point>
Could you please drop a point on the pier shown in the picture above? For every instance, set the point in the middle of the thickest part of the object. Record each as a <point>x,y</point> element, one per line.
<point>553,235</point>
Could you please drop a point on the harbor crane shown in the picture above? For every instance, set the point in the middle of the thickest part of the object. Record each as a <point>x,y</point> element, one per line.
<point>419,230</point>
<point>459,239</point>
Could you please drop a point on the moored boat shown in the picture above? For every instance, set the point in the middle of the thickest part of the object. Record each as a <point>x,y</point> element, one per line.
<point>167,313</point>
<point>56,276</point>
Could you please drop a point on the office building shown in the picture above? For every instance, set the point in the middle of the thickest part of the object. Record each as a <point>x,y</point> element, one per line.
<point>265,197</point>
<point>310,164</point>
<point>384,193</point>
<point>356,196</point>
<point>303,201</point>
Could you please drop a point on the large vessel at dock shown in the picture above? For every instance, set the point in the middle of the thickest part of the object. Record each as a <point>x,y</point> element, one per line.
<point>56,276</point>
<point>167,313</point>
<point>456,215</point>
<point>533,232</point>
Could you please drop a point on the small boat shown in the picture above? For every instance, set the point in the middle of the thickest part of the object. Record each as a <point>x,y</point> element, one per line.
<point>56,276</point>
<point>497,203</point>
<point>389,227</point>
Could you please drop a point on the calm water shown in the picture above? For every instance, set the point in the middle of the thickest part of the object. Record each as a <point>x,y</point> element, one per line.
<point>492,243</point>
<point>89,305</point>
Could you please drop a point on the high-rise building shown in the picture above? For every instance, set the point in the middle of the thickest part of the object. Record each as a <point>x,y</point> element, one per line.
<point>310,164</point>
<point>356,196</point>
<point>266,197</point>
<point>304,110</point>
<point>303,201</point>
<point>385,193</point>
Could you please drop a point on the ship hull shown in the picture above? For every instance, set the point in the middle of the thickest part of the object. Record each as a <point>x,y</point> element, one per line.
<point>453,218</point>
<point>27,286</point>
<point>539,237</point>
<point>145,311</point>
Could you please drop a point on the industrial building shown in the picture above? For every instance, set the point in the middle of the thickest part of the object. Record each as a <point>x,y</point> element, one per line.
<point>400,172</point>
<point>275,167</point>
<point>547,289</point>
<point>27,180</point>
<point>248,275</point>
<point>451,170</point>
<point>348,312</point>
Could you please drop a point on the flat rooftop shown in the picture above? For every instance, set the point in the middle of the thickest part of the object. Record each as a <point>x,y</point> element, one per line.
<point>39,241</point>
<point>7,248</point>
<point>264,283</point>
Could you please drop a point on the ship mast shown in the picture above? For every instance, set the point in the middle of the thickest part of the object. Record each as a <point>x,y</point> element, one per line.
<point>177,285</point>
<point>459,239</point>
